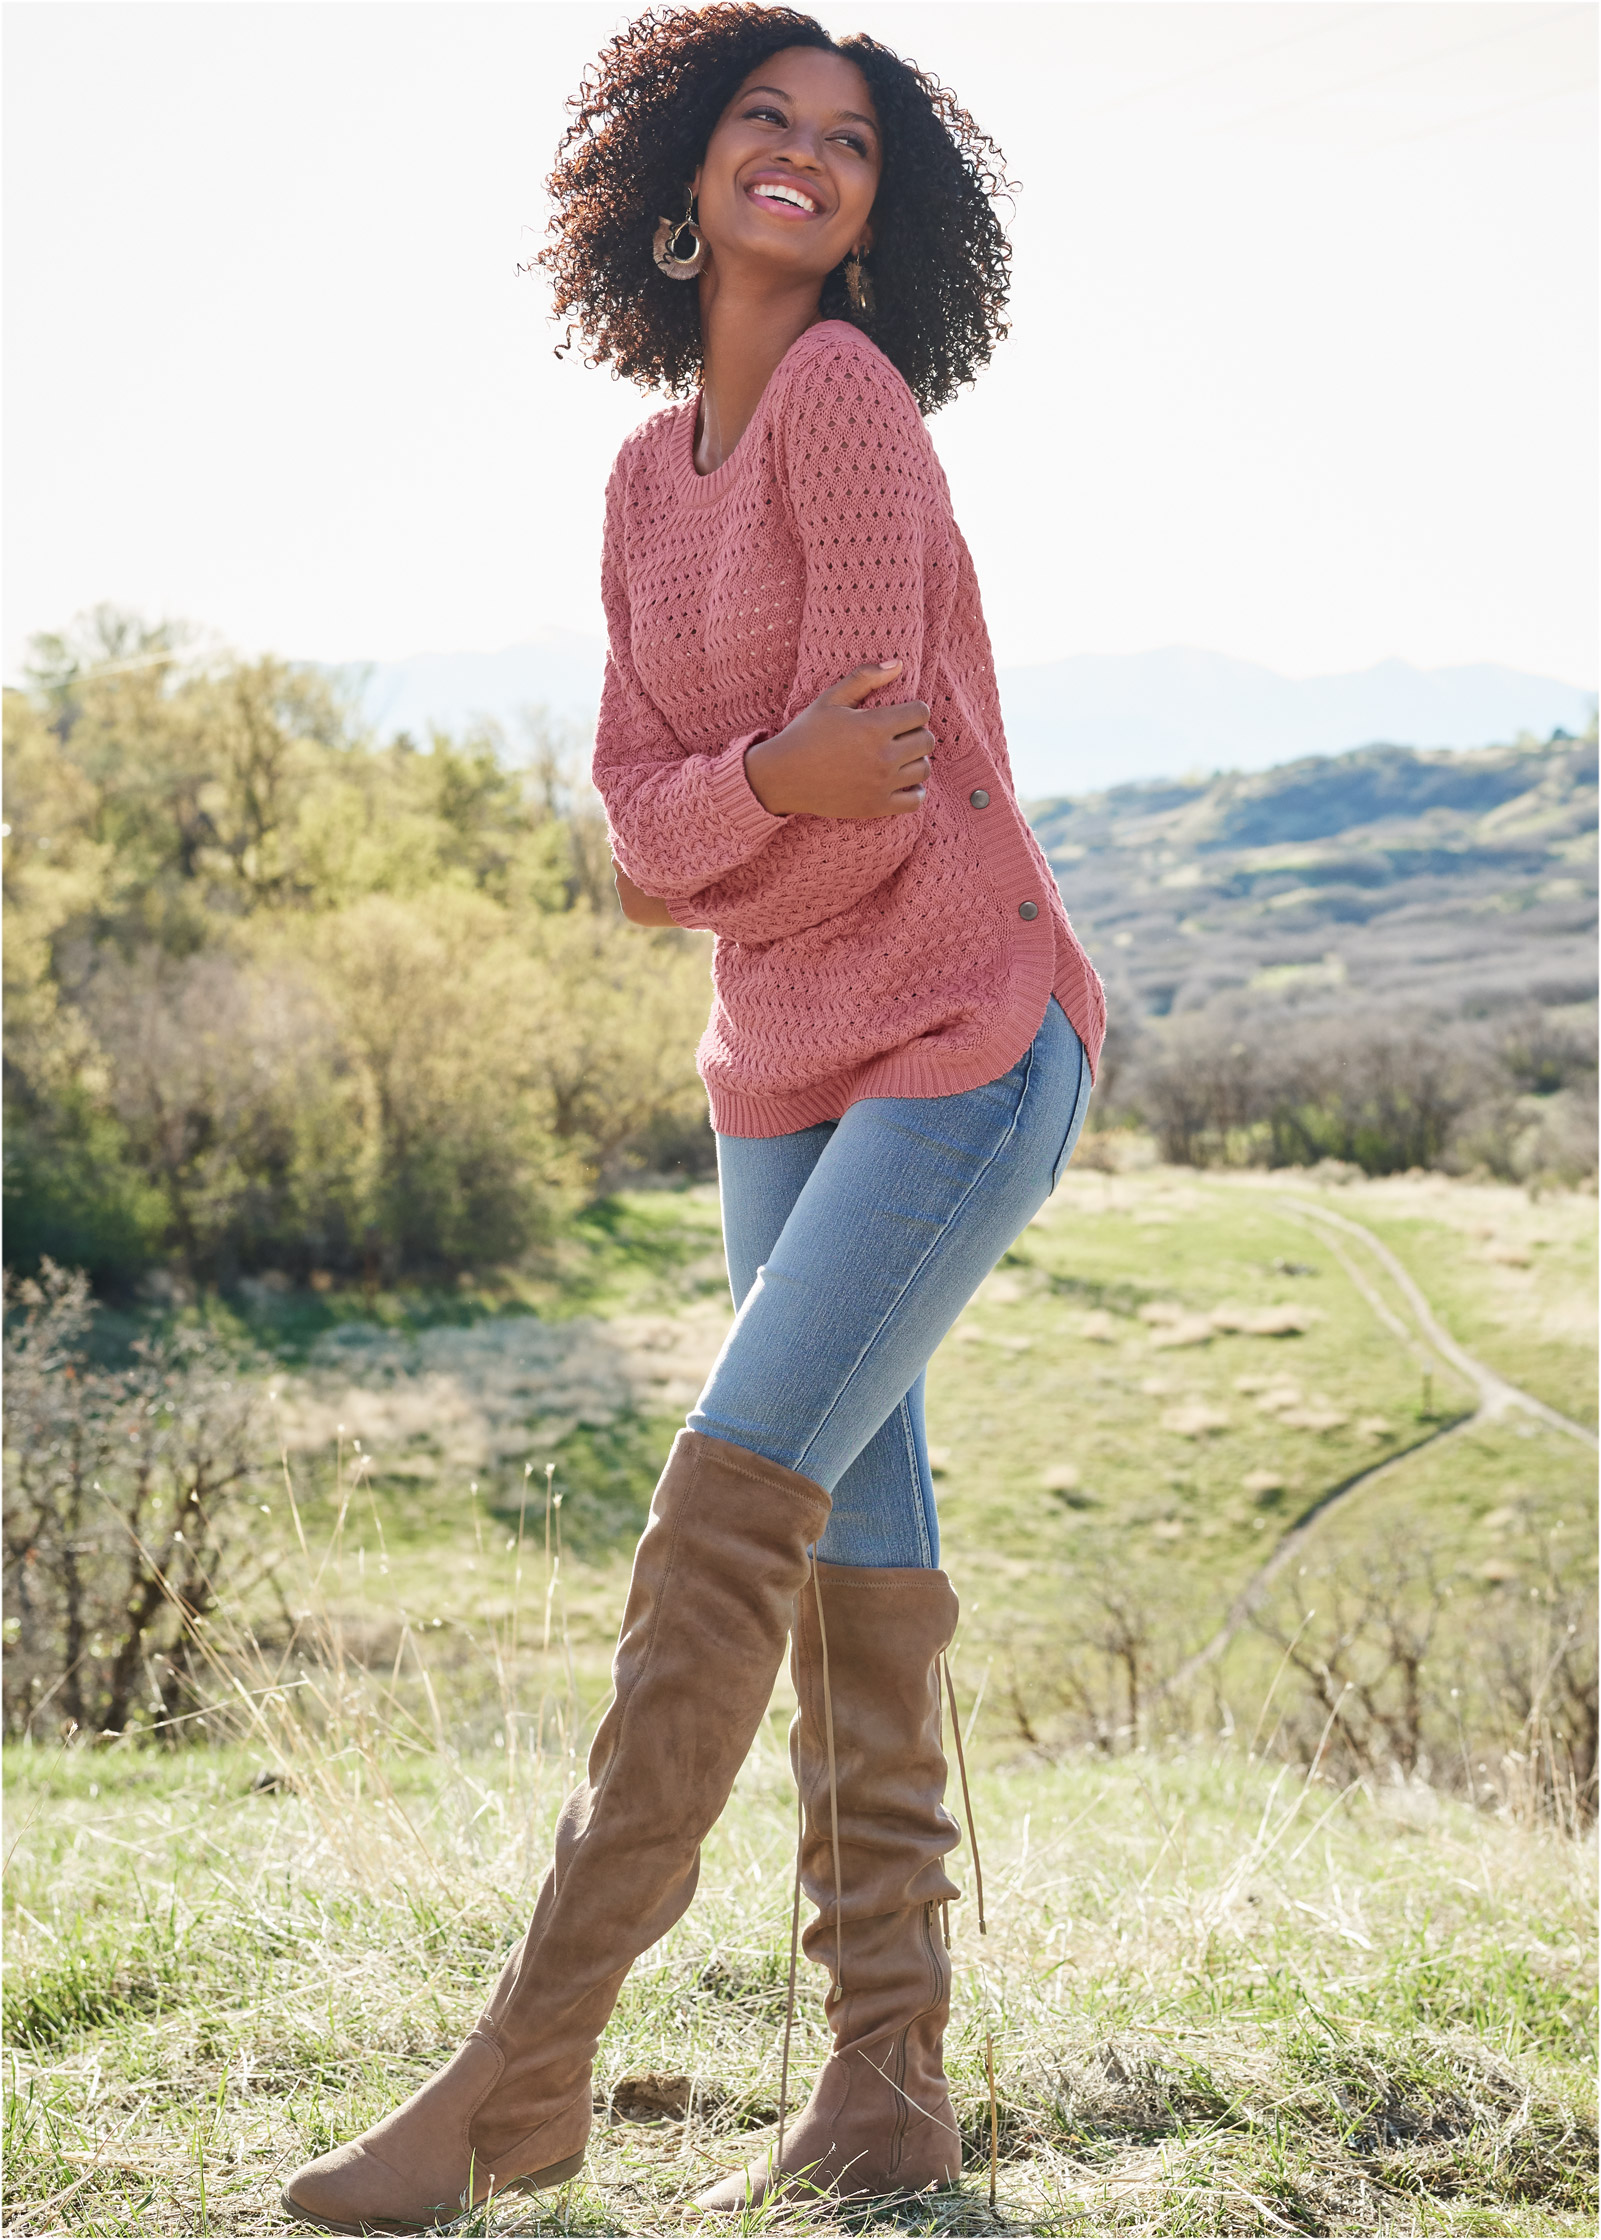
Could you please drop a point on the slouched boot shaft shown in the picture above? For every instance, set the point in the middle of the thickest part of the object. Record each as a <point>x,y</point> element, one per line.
<point>879,2118</point>
<point>711,1599</point>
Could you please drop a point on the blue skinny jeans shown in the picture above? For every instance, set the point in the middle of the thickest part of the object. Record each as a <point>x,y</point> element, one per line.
<point>852,1248</point>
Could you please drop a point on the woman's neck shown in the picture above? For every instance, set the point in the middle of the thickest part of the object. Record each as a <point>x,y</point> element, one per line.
<point>745,332</point>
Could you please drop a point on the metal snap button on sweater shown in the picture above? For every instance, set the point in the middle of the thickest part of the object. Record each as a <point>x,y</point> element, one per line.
<point>1028,909</point>
<point>979,798</point>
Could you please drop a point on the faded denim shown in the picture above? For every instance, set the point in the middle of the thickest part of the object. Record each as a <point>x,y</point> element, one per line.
<point>852,1249</point>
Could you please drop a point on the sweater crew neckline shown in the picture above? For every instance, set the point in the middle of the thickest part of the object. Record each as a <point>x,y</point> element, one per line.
<point>698,489</point>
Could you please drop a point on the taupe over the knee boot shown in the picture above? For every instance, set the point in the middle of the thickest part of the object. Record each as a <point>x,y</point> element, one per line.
<point>879,2119</point>
<point>711,1600</point>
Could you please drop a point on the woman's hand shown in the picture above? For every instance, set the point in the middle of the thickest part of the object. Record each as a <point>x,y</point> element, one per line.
<point>838,759</point>
<point>639,908</point>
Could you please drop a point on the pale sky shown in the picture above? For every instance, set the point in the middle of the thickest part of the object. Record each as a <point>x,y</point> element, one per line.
<point>1303,366</point>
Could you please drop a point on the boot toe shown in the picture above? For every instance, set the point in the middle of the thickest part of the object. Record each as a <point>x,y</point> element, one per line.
<point>741,2190</point>
<point>760,2181</point>
<point>352,2190</point>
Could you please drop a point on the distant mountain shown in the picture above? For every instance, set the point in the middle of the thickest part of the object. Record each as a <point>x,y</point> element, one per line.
<point>1074,726</point>
<point>1385,881</point>
<point>559,670</point>
<point>1099,720</point>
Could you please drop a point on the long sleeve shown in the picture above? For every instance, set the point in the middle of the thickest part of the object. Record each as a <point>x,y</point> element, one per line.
<point>678,821</point>
<point>894,956</point>
<point>870,514</point>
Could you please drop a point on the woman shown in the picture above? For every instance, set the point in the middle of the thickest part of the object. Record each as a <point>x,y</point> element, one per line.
<point>800,748</point>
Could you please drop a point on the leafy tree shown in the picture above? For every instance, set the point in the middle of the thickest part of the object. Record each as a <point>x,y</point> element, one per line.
<point>278,995</point>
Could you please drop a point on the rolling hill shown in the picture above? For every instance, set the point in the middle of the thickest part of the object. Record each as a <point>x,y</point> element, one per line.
<point>1438,883</point>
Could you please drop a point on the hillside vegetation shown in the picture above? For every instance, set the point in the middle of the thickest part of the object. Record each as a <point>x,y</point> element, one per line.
<point>363,1265</point>
<point>1276,1669</point>
<point>1385,956</point>
<point>279,1000</point>
<point>285,1004</point>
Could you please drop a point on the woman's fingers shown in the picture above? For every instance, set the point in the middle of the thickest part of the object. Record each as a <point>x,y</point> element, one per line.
<point>909,780</point>
<point>839,759</point>
<point>851,691</point>
<point>911,715</point>
<point>907,767</point>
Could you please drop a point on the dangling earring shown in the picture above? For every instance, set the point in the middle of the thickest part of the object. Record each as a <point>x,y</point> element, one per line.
<point>677,261</point>
<point>857,284</point>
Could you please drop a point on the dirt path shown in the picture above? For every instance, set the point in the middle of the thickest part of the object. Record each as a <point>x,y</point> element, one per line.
<point>1495,1397</point>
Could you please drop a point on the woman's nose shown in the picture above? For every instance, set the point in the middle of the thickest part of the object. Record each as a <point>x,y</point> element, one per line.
<point>803,147</point>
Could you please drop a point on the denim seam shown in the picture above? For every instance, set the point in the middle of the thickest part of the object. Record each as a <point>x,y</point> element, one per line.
<point>913,1273</point>
<point>919,1501</point>
<point>1080,1100</point>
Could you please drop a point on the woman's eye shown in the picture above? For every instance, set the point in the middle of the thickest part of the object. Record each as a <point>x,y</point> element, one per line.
<point>853,140</point>
<point>774,116</point>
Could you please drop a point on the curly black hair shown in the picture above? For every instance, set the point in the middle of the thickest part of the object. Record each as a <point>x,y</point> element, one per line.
<point>640,125</point>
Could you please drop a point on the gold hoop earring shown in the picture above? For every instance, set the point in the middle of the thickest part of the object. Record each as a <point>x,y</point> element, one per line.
<point>671,256</point>
<point>857,284</point>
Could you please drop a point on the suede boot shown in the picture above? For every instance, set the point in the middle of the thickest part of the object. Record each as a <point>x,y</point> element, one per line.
<point>712,1597</point>
<point>879,2119</point>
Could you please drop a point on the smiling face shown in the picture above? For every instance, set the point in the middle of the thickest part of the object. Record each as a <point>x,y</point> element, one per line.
<point>791,170</point>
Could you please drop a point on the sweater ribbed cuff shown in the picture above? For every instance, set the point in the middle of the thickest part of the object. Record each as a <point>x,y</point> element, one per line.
<point>742,815</point>
<point>733,799</point>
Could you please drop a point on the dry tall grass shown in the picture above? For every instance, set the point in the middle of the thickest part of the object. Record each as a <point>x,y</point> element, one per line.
<point>1223,1995</point>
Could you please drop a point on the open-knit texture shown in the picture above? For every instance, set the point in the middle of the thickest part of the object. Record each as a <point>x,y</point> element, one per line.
<point>890,956</point>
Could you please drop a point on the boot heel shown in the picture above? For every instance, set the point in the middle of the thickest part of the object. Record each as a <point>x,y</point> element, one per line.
<point>554,2174</point>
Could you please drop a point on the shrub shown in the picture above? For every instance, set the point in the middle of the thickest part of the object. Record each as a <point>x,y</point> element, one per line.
<point>280,998</point>
<point>1381,1679</point>
<point>75,1193</point>
<point>123,1497</point>
<point>1379,1097</point>
<point>1219,1088</point>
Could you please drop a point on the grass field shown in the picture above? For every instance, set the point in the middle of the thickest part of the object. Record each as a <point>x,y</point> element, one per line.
<point>1225,1995</point>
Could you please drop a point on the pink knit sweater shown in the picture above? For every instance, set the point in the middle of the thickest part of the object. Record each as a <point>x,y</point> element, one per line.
<point>893,956</point>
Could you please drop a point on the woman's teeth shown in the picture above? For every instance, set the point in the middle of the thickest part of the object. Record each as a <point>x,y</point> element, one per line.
<point>769,193</point>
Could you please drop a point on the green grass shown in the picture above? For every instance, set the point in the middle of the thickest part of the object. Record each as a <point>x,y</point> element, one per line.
<point>1075,1439</point>
<point>1223,1997</point>
<point>1220,2000</point>
<point>1163,1442</point>
<point>639,1251</point>
<point>1514,1279</point>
